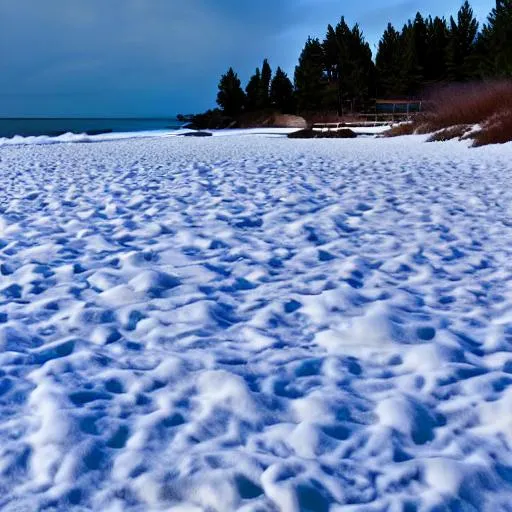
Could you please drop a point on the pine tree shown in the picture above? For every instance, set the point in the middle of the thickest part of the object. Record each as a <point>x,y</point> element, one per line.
<point>361,80</point>
<point>281,92</point>
<point>310,78</point>
<point>420,42</point>
<point>331,51</point>
<point>266,77</point>
<point>389,64</point>
<point>333,93</point>
<point>336,50</point>
<point>461,44</point>
<point>411,72</point>
<point>230,97</point>
<point>436,48</point>
<point>409,60</point>
<point>495,42</point>
<point>349,66</point>
<point>253,92</point>
<point>500,21</point>
<point>414,56</point>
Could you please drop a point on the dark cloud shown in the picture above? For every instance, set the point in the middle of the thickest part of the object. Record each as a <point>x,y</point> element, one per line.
<point>141,55</point>
<point>149,57</point>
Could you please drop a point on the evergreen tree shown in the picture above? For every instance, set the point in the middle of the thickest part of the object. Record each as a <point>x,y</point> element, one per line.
<point>266,77</point>
<point>281,92</point>
<point>420,42</point>
<point>310,78</point>
<point>389,64</point>
<point>258,89</point>
<point>461,44</point>
<point>436,48</point>
<point>416,56</point>
<point>230,97</point>
<point>332,92</point>
<point>253,92</point>
<point>331,52</point>
<point>361,80</point>
<point>349,67</point>
<point>495,42</point>
<point>335,47</point>
<point>339,72</point>
<point>408,60</point>
<point>413,56</point>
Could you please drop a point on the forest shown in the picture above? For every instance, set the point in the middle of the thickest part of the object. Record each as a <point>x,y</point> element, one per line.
<point>338,73</point>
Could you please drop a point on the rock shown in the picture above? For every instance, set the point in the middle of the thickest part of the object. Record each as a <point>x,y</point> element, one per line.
<point>344,133</point>
<point>289,121</point>
<point>268,118</point>
<point>265,118</point>
<point>196,134</point>
<point>212,119</point>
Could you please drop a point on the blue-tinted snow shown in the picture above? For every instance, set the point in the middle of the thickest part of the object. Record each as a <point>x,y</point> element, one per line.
<point>256,324</point>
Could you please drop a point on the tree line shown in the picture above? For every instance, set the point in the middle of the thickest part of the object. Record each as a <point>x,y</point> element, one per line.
<point>339,73</point>
<point>262,91</point>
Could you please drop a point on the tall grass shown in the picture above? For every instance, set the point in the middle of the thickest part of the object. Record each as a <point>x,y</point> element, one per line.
<point>496,130</point>
<point>456,107</point>
<point>401,129</point>
<point>469,104</point>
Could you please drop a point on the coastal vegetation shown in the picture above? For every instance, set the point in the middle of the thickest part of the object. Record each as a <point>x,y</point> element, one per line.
<point>481,111</point>
<point>338,75</point>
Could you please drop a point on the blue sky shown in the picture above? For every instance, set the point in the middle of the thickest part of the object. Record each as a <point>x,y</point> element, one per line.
<point>161,57</point>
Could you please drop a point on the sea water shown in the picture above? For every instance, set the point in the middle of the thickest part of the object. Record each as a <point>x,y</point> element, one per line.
<point>9,127</point>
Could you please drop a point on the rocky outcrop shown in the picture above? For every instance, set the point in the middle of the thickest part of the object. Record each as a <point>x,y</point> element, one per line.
<point>210,120</point>
<point>215,119</point>
<point>196,134</point>
<point>344,133</point>
<point>269,118</point>
<point>289,121</point>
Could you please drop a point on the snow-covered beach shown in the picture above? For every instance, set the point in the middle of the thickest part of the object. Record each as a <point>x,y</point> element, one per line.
<point>255,323</point>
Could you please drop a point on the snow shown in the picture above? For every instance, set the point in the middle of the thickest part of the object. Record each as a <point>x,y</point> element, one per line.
<point>19,140</point>
<point>151,134</point>
<point>370,130</point>
<point>255,323</point>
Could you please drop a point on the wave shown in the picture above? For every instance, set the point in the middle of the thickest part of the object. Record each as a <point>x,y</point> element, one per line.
<point>70,137</point>
<point>105,137</point>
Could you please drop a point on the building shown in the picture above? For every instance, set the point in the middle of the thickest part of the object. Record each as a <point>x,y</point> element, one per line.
<point>398,106</point>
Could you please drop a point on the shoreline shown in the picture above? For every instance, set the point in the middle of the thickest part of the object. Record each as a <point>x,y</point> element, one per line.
<point>113,136</point>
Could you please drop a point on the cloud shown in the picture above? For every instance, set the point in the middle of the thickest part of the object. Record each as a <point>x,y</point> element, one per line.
<point>121,48</point>
<point>136,57</point>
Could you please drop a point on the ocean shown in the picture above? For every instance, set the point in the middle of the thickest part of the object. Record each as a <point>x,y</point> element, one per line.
<point>9,127</point>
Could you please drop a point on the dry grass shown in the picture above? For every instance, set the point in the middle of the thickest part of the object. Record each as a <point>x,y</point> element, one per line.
<point>496,130</point>
<point>454,109</point>
<point>454,132</point>
<point>400,129</point>
<point>467,104</point>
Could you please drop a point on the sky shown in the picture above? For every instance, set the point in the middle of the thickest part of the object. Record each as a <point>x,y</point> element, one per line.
<point>146,58</point>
